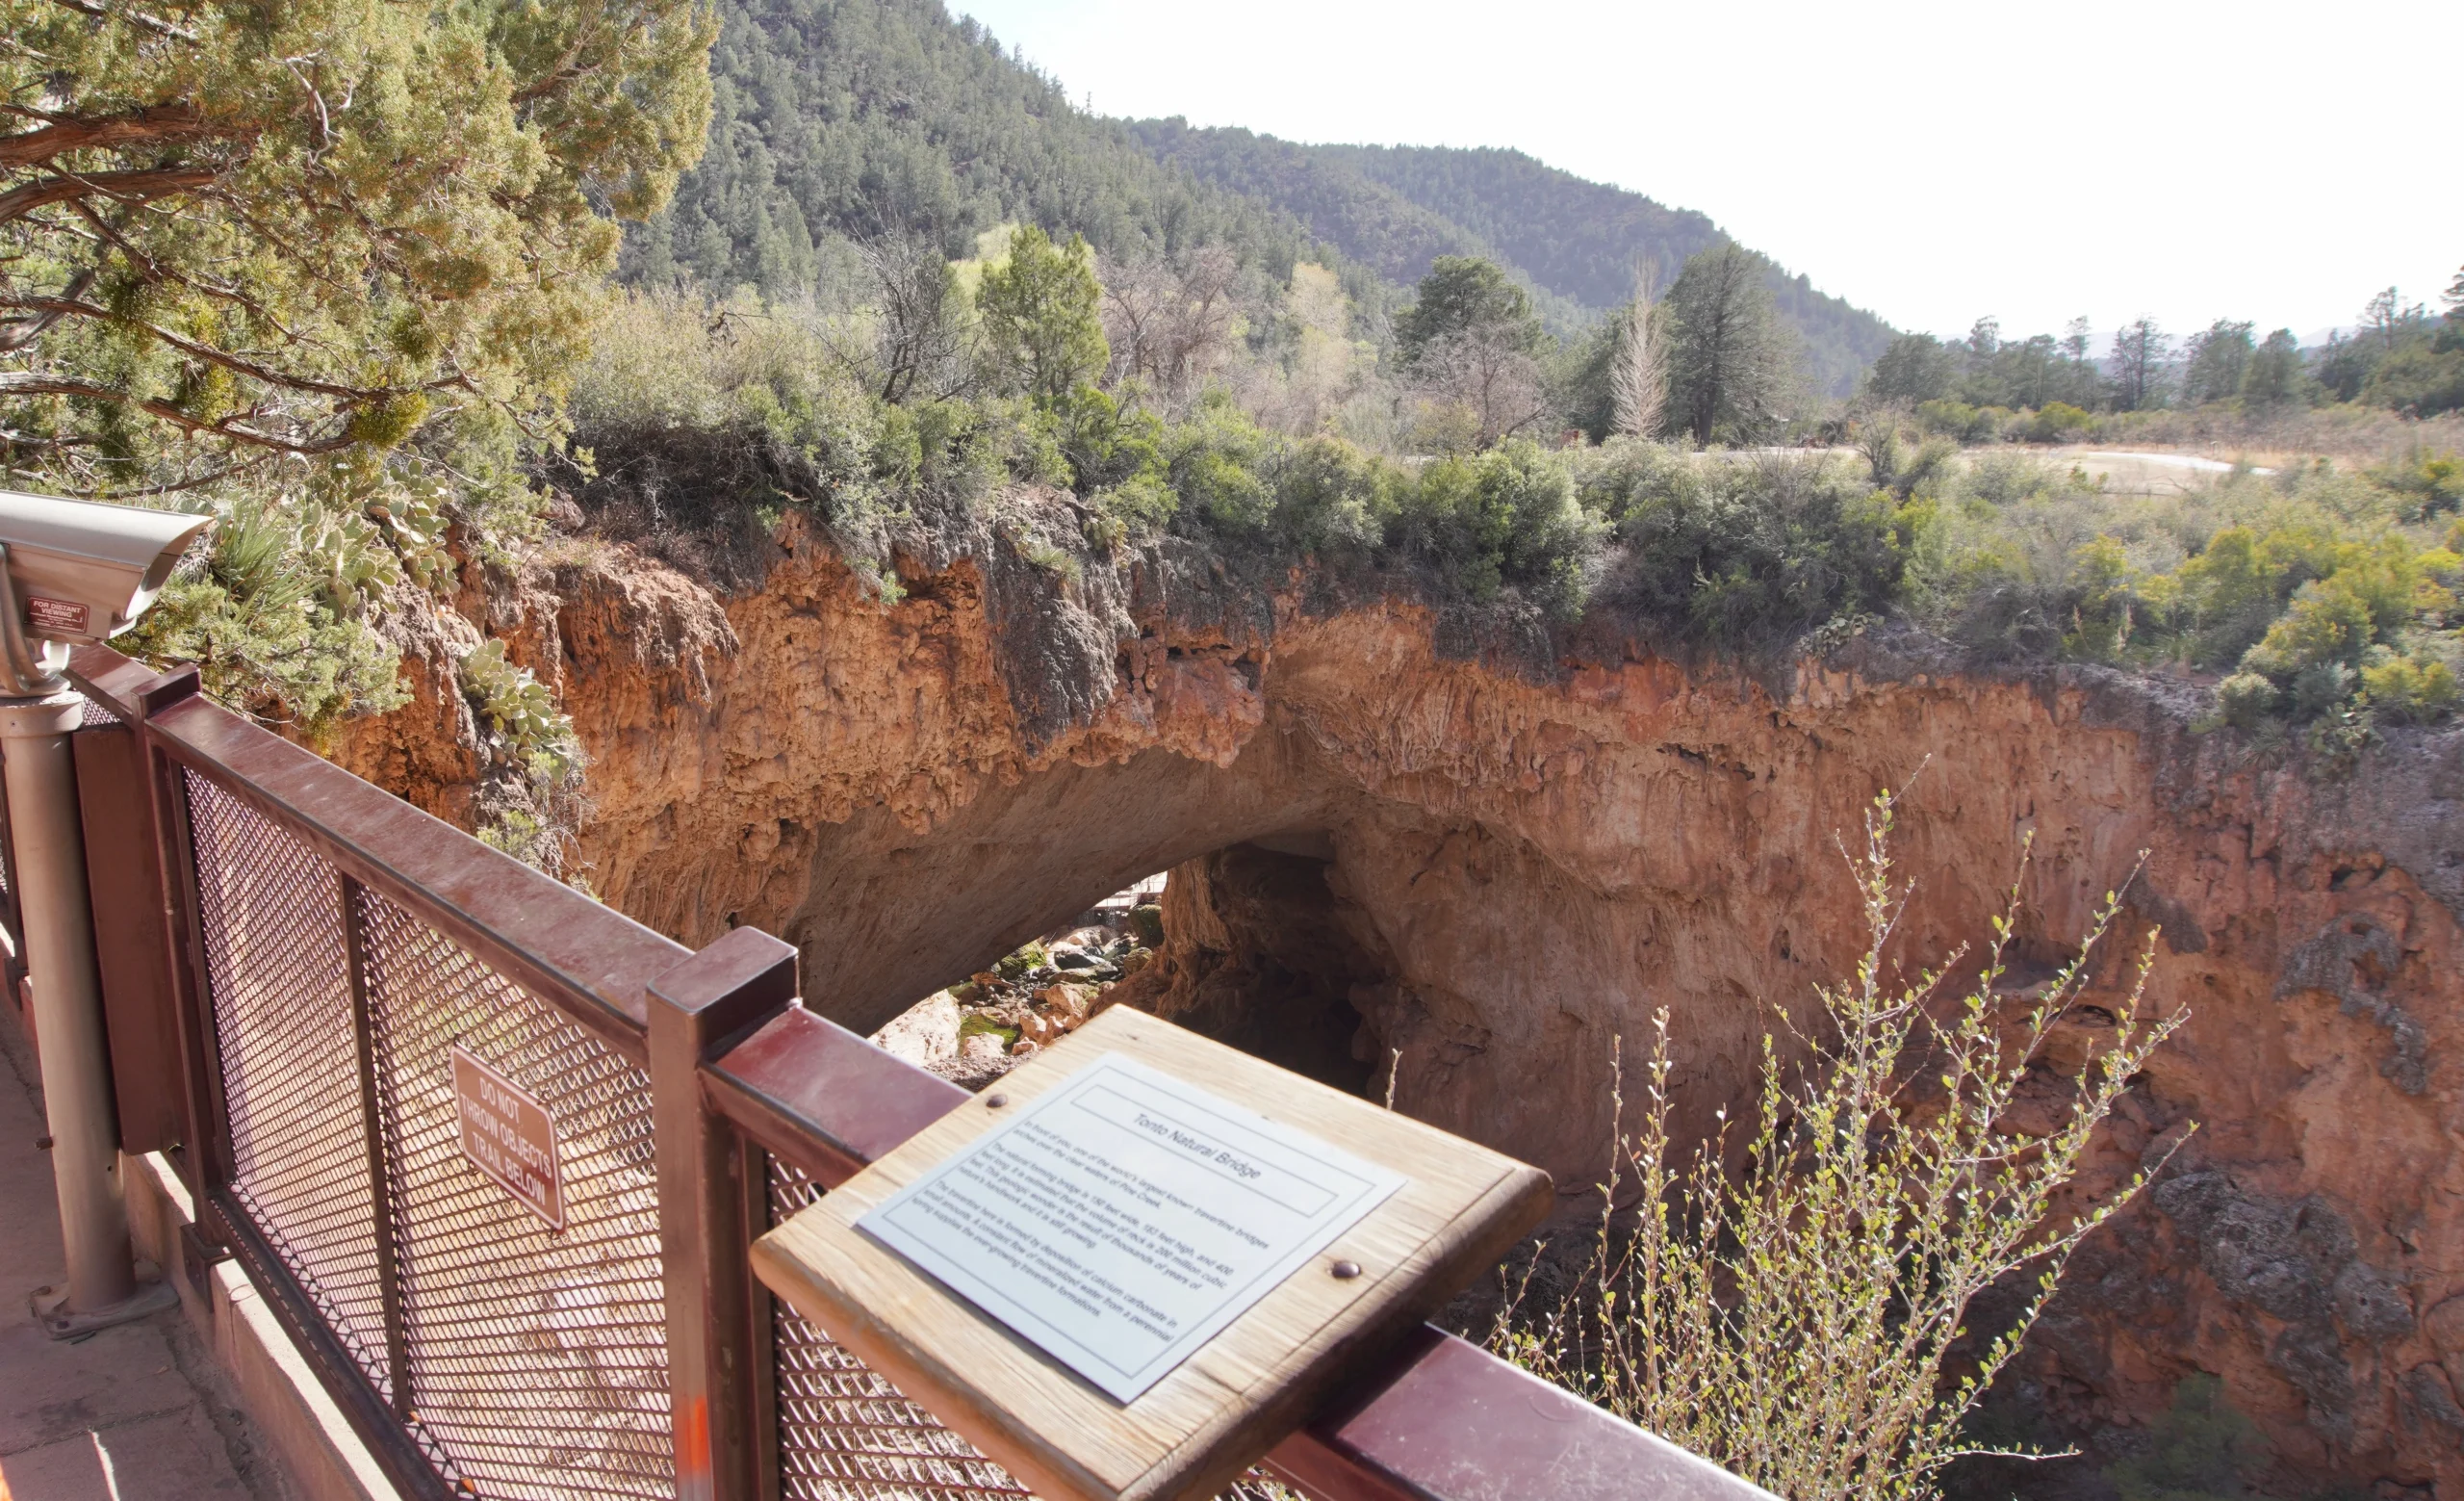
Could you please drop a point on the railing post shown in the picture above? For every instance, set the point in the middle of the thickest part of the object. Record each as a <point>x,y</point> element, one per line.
<point>697,1010</point>
<point>124,876</point>
<point>204,1158</point>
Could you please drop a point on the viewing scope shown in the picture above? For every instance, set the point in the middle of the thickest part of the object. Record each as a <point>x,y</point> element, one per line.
<point>76,573</point>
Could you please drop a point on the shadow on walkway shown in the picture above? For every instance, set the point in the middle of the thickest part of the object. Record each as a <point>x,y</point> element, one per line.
<point>141,1413</point>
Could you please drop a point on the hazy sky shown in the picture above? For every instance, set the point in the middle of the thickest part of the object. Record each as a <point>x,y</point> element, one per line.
<point>1929,161</point>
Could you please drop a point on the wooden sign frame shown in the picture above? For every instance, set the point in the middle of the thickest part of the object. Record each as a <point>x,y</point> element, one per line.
<point>1198,1429</point>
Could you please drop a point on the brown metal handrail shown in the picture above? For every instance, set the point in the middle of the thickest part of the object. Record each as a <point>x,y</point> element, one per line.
<point>737,1068</point>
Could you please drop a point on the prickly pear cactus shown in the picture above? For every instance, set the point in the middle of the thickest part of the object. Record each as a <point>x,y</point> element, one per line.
<point>518,714</point>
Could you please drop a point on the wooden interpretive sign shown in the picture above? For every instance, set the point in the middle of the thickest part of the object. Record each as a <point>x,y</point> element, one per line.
<point>508,1135</point>
<point>1135,1262</point>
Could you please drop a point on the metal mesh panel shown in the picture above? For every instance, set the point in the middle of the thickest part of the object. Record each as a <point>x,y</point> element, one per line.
<point>277,976</point>
<point>845,1431</point>
<point>538,1357</point>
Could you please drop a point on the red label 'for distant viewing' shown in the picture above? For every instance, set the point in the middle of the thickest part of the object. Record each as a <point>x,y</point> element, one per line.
<point>46,614</point>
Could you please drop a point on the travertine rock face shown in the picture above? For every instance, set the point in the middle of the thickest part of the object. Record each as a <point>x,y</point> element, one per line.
<point>1493,873</point>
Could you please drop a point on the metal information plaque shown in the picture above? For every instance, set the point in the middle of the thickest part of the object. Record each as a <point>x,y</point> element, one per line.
<point>1125,1217</point>
<point>508,1135</point>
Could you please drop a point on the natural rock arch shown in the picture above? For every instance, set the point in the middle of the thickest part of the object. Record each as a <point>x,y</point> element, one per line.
<point>1527,863</point>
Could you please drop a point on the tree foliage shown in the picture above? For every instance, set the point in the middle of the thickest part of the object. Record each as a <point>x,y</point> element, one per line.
<point>1465,296</point>
<point>1043,329</point>
<point>2219,362</point>
<point>2141,365</point>
<point>234,230</point>
<point>1731,364</point>
<point>1468,342</point>
<point>1915,368</point>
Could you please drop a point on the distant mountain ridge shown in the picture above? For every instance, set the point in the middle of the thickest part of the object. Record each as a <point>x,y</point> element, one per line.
<point>1579,243</point>
<point>850,117</point>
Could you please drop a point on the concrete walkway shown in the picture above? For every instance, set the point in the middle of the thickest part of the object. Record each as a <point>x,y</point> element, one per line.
<point>141,1413</point>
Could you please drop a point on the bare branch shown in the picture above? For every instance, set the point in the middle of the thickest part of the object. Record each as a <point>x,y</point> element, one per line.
<point>129,186</point>
<point>1638,383</point>
<point>16,333</point>
<point>36,383</point>
<point>156,122</point>
<point>138,19</point>
<point>174,486</point>
<point>235,363</point>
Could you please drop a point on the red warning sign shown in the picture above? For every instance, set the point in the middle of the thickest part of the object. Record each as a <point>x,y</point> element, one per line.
<point>508,1135</point>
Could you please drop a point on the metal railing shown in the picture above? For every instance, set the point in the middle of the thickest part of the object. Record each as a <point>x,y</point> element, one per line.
<point>327,947</point>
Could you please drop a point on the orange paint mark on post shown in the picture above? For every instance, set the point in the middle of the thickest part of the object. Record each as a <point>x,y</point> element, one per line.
<point>693,1445</point>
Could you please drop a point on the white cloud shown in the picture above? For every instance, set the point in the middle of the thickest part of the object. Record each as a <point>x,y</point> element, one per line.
<point>1928,160</point>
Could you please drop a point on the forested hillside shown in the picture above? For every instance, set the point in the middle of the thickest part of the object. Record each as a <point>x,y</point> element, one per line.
<point>855,118</point>
<point>1373,224</point>
<point>1578,238</point>
<point>861,118</point>
<point>1579,243</point>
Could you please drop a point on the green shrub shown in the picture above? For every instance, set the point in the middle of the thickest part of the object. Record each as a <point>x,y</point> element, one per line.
<point>2430,483</point>
<point>1505,517</point>
<point>1104,442</point>
<point>2245,699</point>
<point>1961,423</point>
<point>1142,504</point>
<point>2101,614</point>
<point>2200,1449</point>
<point>1332,497</point>
<point>2326,625</point>
<point>1946,418</point>
<point>2057,422</point>
<point>1755,555</point>
<point>1220,462</point>
<point>2234,589</point>
<point>274,609</point>
<point>2410,690</point>
<point>299,663</point>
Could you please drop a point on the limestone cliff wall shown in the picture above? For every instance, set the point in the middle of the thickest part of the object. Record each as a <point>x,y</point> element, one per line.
<point>1500,867</point>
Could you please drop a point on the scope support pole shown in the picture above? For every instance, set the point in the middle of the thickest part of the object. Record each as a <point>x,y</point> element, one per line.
<point>41,784</point>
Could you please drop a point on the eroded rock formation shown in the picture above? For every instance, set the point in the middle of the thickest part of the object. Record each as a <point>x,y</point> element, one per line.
<point>1467,877</point>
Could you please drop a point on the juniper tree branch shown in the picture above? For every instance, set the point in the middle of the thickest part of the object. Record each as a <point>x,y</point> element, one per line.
<point>128,187</point>
<point>16,333</point>
<point>237,364</point>
<point>15,383</point>
<point>139,19</point>
<point>60,133</point>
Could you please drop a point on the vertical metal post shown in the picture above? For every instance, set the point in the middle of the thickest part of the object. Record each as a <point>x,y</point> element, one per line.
<point>10,916</point>
<point>75,1057</point>
<point>125,885</point>
<point>697,1010</point>
<point>380,1196</point>
<point>760,1330</point>
<point>205,1156</point>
